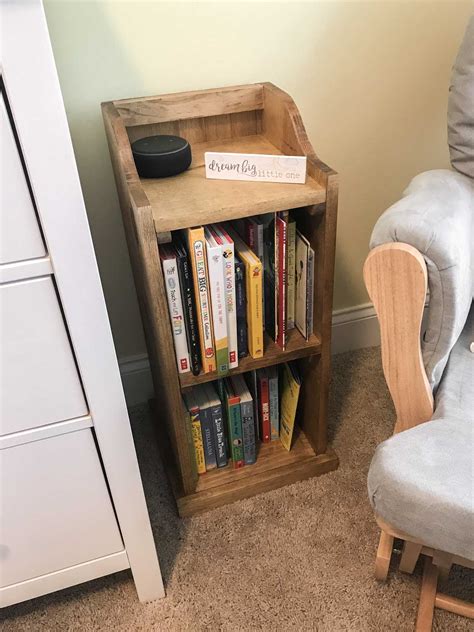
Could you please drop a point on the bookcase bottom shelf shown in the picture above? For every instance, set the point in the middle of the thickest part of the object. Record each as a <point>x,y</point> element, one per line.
<point>275,467</point>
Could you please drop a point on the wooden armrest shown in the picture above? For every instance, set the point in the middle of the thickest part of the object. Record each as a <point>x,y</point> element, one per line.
<point>396,279</point>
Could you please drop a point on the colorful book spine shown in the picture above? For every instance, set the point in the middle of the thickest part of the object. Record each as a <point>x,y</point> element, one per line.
<point>281,309</point>
<point>268,224</point>
<point>291,275</point>
<point>310,294</point>
<point>197,251</point>
<point>290,391</point>
<point>264,403</point>
<point>215,268</point>
<point>246,413</point>
<point>228,255</point>
<point>273,397</point>
<point>207,433</point>
<point>189,436</point>
<point>235,428</point>
<point>175,307</point>
<point>197,440</point>
<point>252,383</point>
<point>241,308</point>
<point>187,296</point>
<point>218,425</point>
<point>253,290</point>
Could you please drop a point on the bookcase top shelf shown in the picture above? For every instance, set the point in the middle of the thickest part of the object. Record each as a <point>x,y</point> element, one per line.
<point>296,347</point>
<point>190,199</point>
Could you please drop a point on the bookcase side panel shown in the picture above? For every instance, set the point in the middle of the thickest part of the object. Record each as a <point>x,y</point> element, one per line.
<point>144,257</point>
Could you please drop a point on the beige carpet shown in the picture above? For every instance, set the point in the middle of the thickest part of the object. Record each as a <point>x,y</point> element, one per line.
<point>299,558</point>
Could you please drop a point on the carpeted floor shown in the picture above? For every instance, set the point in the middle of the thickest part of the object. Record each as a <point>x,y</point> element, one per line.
<point>299,558</point>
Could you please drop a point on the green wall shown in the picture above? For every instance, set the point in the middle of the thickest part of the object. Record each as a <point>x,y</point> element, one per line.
<point>370,79</point>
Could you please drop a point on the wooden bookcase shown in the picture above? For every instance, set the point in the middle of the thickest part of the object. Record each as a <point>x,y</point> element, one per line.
<point>257,118</point>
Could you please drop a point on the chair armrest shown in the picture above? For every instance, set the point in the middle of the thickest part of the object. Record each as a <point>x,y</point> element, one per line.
<point>435,216</point>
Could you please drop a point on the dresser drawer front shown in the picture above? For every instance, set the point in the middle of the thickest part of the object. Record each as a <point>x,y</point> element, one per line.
<point>55,507</point>
<point>20,235</point>
<point>38,377</point>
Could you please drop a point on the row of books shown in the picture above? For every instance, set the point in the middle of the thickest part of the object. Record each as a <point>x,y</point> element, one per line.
<point>228,421</point>
<point>228,283</point>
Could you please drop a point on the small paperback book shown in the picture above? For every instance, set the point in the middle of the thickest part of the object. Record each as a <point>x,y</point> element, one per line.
<point>246,412</point>
<point>290,390</point>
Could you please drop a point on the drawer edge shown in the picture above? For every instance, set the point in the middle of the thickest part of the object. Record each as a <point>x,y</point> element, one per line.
<point>44,432</point>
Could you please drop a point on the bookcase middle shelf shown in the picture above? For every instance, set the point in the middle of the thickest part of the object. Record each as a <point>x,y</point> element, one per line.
<point>296,347</point>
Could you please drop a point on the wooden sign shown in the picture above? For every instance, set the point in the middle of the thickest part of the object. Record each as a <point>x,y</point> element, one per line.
<point>255,167</point>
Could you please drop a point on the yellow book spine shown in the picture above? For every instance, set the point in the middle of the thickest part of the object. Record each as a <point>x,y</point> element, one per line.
<point>289,401</point>
<point>198,444</point>
<point>254,289</point>
<point>197,252</point>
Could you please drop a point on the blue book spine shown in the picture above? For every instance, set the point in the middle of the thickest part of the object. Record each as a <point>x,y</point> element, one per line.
<point>274,412</point>
<point>208,438</point>
<point>219,435</point>
<point>241,309</point>
<point>248,432</point>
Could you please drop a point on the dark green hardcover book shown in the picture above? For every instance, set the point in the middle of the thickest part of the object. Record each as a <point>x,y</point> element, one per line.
<point>234,422</point>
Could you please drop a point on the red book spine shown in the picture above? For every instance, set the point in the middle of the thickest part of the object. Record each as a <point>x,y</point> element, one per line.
<point>250,234</point>
<point>281,315</point>
<point>264,403</point>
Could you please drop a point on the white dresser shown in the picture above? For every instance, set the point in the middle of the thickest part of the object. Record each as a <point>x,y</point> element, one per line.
<point>72,506</point>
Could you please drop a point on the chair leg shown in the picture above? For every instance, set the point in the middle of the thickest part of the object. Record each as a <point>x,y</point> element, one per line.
<point>429,583</point>
<point>384,554</point>
<point>443,561</point>
<point>410,555</point>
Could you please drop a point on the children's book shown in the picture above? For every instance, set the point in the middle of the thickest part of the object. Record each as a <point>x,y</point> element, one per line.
<point>290,390</point>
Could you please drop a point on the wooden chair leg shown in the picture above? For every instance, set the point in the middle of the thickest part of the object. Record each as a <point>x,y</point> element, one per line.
<point>429,583</point>
<point>410,555</point>
<point>384,554</point>
<point>443,562</point>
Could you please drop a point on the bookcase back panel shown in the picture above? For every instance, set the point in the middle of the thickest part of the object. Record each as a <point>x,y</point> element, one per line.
<point>205,128</point>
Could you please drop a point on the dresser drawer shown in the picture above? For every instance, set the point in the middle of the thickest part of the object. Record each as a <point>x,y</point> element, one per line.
<point>55,507</point>
<point>20,235</point>
<point>39,382</point>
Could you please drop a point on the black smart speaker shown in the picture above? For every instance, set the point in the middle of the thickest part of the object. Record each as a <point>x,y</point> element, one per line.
<point>161,156</point>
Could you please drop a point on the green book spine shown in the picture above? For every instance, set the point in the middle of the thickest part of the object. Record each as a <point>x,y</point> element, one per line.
<point>235,431</point>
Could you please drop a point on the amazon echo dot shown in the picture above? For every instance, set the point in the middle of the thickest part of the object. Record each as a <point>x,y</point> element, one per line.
<point>161,156</point>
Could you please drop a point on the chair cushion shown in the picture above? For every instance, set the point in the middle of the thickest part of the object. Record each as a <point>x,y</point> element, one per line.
<point>435,216</point>
<point>461,106</point>
<point>421,481</point>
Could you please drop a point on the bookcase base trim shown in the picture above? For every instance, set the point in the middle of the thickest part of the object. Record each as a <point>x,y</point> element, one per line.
<point>265,481</point>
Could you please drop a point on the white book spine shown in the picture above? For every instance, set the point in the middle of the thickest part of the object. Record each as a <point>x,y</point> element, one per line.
<point>229,273</point>
<point>175,306</point>
<point>215,267</point>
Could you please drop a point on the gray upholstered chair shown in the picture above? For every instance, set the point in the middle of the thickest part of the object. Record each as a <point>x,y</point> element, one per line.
<point>421,480</point>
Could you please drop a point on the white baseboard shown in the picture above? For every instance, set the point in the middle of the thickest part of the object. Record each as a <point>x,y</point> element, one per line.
<point>352,328</point>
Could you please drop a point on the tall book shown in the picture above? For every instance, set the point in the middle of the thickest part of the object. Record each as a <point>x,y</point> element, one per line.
<point>253,289</point>
<point>215,266</point>
<point>291,278</point>
<point>175,306</point>
<point>264,405</point>
<point>290,390</point>
<point>304,299</point>
<point>281,236</point>
<point>189,306</point>
<point>197,253</point>
<point>273,396</point>
<point>247,418</point>
<point>234,422</point>
<point>228,255</point>
<point>254,235</point>
<point>194,420</point>
<point>310,294</point>
<point>251,379</point>
<point>190,439</point>
<point>241,308</point>
<point>218,424</point>
<point>205,416</point>
<point>270,286</point>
